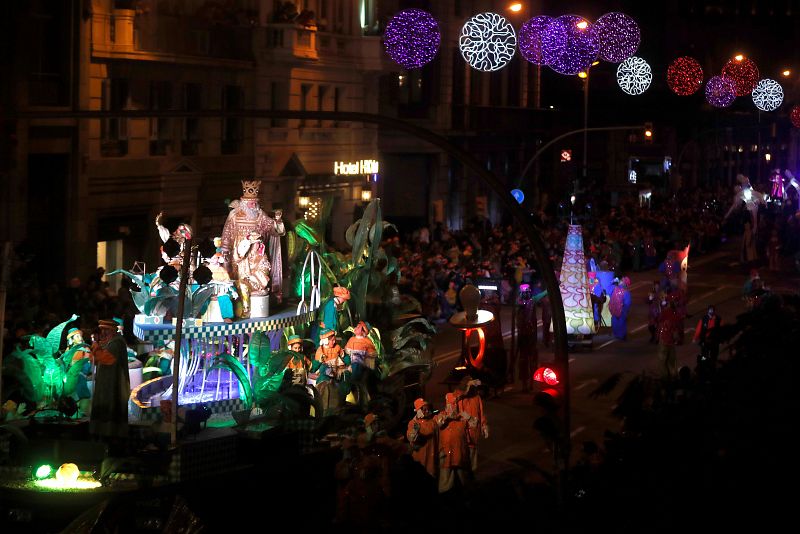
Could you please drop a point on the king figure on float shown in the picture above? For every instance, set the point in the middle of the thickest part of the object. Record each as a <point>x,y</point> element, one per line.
<point>252,263</point>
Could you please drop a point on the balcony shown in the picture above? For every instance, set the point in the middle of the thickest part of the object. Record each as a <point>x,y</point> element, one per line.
<point>125,34</point>
<point>284,41</point>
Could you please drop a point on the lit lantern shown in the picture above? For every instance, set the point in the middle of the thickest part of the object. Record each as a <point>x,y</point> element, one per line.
<point>488,42</point>
<point>568,45</point>
<point>530,39</point>
<point>67,474</point>
<point>412,38</point>
<point>768,95</point>
<point>634,75</point>
<point>720,91</point>
<point>617,36</point>
<point>744,74</point>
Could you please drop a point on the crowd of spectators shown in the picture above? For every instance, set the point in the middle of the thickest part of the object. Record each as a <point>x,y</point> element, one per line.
<point>435,263</point>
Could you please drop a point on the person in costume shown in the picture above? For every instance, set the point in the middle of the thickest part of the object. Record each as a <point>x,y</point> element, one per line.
<point>328,312</point>
<point>706,334</point>
<point>78,353</point>
<point>333,366</point>
<point>668,322</point>
<point>180,235</point>
<point>469,402</point>
<point>362,353</point>
<point>422,435</point>
<point>251,246</point>
<point>454,459</point>
<point>299,364</point>
<point>109,417</point>
<point>620,305</point>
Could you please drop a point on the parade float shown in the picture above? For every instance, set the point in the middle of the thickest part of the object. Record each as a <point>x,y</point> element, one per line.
<point>218,367</point>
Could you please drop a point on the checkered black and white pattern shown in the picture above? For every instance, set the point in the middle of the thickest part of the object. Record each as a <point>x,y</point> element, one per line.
<point>161,333</point>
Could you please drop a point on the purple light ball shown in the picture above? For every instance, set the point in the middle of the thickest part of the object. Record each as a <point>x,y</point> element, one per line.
<point>617,36</point>
<point>568,48</point>
<point>720,92</point>
<point>530,39</point>
<point>412,38</point>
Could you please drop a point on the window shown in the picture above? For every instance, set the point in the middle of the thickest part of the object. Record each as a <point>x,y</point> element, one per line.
<point>160,127</point>
<point>232,127</point>
<point>278,97</point>
<point>338,102</point>
<point>322,95</point>
<point>305,97</point>
<point>114,131</point>
<point>192,101</point>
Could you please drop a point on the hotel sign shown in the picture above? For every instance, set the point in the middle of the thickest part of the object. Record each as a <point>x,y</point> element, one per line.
<point>349,168</point>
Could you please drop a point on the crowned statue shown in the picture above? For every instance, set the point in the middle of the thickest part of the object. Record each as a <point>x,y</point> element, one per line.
<point>251,247</point>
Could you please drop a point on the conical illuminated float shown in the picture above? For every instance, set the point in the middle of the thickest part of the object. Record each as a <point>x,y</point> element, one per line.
<point>575,293</point>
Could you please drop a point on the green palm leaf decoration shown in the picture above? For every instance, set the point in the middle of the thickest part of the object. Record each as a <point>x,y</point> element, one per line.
<point>163,300</point>
<point>23,366</point>
<point>227,362</point>
<point>53,339</point>
<point>199,301</point>
<point>259,349</point>
<point>304,231</point>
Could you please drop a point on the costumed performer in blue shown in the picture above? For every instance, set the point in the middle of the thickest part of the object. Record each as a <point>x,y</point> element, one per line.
<point>109,417</point>
<point>328,313</point>
<point>619,305</point>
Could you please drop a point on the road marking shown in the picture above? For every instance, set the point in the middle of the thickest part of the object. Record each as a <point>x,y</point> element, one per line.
<point>577,431</point>
<point>585,384</point>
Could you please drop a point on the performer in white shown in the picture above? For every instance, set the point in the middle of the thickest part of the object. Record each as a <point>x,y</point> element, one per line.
<point>752,200</point>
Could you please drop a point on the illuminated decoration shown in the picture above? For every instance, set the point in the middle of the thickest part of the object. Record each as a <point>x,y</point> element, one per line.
<point>412,38</point>
<point>477,360</point>
<point>574,283</point>
<point>68,473</point>
<point>634,76</point>
<point>530,39</point>
<point>487,42</point>
<point>720,92</point>
<point>685,76</point>
<point>546,375</point>
<point>768,95</point>
<point>617,36</point>
<point>351,168</point>
<point>794,116</point>
<point>566,155</point>
<point>568,46</point>
<point>43,471</point>
<point>518,195</point>
<point>314,209</point>
<point>743,72</point>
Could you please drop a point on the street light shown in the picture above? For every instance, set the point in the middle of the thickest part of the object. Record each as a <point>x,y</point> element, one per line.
<point>786,73</point>
<point>515,7</point>
<point>366,195</point>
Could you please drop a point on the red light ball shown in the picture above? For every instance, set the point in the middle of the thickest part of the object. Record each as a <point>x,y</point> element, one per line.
<point>744,74</point>
<point>794,116</point>
<point>685,76</point>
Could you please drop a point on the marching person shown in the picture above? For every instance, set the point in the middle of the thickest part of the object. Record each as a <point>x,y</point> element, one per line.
<point>470,403</point>
<point>706,334</point>
<point>109,414</point>
<point>422,434</point>
<point>454,460</point>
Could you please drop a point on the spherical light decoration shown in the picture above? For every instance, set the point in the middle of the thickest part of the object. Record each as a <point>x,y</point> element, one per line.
<point>568,45</point>
<point>487,42</point>
<point>530,39</point>
<point>720,92</point>
<point>744,73</point>
<point>634,75</point>
<point>412,38</point>
<point>68,473</point>
<point>768,95</point>
<point>685,76</point>
<point>617,36</point>
<point>794,116</point>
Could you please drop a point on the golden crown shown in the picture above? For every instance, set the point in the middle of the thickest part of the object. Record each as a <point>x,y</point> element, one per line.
<point>250,188</point>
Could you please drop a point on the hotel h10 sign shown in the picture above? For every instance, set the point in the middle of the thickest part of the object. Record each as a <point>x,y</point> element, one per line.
<point>350,168</point>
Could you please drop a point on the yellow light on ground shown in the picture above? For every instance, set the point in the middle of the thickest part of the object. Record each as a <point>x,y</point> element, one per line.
<point>582,74</point>
<point>787,72</point>
<point>67,473</point>
<point>738,57</point>
<point>582,25</point>
<point>516,7</point>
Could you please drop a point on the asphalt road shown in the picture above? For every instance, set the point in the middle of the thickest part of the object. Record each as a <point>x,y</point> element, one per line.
<point>514,446</point>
